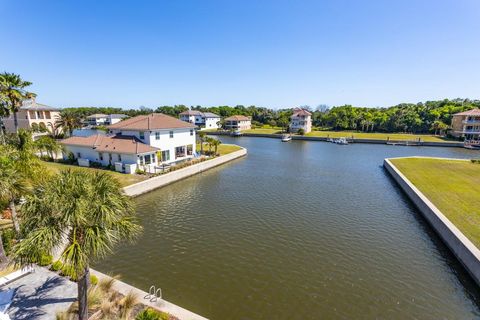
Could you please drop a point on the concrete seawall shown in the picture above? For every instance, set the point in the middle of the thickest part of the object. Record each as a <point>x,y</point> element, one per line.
<point>354,140</point>
<point>167,178</point>
<point>465,251</point>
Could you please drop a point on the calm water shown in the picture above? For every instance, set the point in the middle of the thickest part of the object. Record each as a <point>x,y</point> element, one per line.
<point>298,230</point>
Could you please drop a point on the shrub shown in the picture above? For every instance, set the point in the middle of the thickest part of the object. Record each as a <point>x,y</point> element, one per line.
<point>8,238</point>
<point>42,127</point>
<point>139,171</point>
<point>45,260</point>
<point>57,265</point>
<point>148,314</point>
<point>301,132</point>
<point>93,280</point>
<point>95,164</point>
<point>475,161</point>
<point>69,271</point>
<point>34,127</point>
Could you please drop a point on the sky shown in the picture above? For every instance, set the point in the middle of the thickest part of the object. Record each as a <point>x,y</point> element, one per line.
<point>269,53</point>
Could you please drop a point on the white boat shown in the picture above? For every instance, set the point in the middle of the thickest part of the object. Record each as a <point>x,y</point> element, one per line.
<point>341,140</point>
<point>286,137</point>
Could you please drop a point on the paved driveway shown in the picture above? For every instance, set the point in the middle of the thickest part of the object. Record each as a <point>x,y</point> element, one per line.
<point>40,295</point>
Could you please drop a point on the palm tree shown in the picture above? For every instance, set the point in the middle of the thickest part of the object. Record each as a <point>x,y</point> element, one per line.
<point>49,145</point>
<point>12,87</point>
<point>12,187</point>
<point>86,213</point>
<point>215,143</point>
<point>68,121</point>
<point>201,137</point>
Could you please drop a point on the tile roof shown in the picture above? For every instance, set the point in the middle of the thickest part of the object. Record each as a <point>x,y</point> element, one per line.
<point>115,144</point>
<point>473,112</point>
<point>238,118</point>
<point>117,116</point>
<point>210,115</point>
<point>191,113</point>
<point>300,112</point>
<point>33,105</point>
<point>153,121</point>
<point>97,115</point>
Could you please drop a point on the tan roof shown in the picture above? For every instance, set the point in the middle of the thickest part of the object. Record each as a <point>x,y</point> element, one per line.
<point>33,105</point>
<point>153,121</point>
<point>301,112</point>
<point>191,113</point>
<point>238,118</point>
<point>473,112</point>
<point>115,144</point>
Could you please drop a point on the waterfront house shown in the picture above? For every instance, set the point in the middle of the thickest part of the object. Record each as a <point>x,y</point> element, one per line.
<point>144,141</point>
<point>301,119</point>
<point>467,125</point>
<point>100,119</point>
<point>33,115</point>
<point>203,120</point>
<point>238,123</point>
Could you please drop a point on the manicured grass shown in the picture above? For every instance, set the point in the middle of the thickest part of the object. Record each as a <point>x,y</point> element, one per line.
<point>453,186</point>
<point>222,149</point>
<point>359,135</point>
<point>124,179</point>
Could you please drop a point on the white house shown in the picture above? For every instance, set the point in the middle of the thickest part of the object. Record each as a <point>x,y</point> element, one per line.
<point>145,141</point>
<point>301,119</point>
<point>114,118</point>
<point>204,120</point>
<point>100,119</point>
<point>238,123</point>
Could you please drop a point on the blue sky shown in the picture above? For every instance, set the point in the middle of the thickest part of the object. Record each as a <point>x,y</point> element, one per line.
<point>267,53</point>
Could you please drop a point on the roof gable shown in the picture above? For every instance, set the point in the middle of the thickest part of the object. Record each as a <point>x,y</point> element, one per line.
<point>153,121</point>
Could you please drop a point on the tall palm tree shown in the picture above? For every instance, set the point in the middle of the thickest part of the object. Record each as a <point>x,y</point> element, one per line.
<point>86,213</point>
<point>201,137</point>
<point>12,187</point>
<point>48,145</point>
<point>215,143</point>
<point>12,87</point>
<point>68,121</point>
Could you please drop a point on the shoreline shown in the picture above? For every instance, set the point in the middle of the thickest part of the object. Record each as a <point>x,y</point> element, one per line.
<point>350,140</point>
<point>463,249</point>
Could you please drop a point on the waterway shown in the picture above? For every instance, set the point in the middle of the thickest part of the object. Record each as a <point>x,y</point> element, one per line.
<point>297,230</point>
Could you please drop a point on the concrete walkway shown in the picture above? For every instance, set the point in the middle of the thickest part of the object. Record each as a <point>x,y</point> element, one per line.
<point>40,295</point>
<point>160,304</point>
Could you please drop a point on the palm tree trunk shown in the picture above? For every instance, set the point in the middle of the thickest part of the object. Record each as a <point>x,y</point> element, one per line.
<point>3,255</point>
<point>14,217</point>
<point>201,146</point>
<point>15,121</point>
<point>83,284</point>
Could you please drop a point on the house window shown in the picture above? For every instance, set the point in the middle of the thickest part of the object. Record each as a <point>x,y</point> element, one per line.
<point>157,135</point>
<point>171,134</point>
<point>47,114</point>
<point>79,155</point>
<point>191,132</point>
<point>148,159</point>
<point>100,155</point>
<point>142,135</point>
<point>190,149</point>
<point>166,155</point>
<point>119,157</point>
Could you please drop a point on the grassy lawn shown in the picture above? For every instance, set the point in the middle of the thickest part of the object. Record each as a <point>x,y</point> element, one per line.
<point>124,179</point>
<point>453,186</point>
<point>358,135</point>
<point>222,149</point>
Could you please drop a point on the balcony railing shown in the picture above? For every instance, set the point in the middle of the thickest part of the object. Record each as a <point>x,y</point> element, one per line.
<point>471,121</point>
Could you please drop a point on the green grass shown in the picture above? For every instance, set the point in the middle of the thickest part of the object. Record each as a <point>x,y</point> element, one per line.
<point>223,149</point>
<point>122,178</point>
<point>359,135</point>
<point>453,186</point>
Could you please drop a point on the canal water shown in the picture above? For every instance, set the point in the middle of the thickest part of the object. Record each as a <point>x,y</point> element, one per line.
<point>298,230</point>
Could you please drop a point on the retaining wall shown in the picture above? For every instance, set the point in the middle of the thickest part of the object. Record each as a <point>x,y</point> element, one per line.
<point>465,251</point>
<point>167,178</point>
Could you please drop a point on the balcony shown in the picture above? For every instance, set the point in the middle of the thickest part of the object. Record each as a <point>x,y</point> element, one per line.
<point>477,121</point>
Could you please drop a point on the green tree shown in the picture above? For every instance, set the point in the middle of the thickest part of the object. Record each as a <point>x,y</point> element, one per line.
<point>201,138</point>
<point>12,87</point>
<point>48,145</point>
<point>86,213</point>
<point>215,143</point>
<point>68,121</point>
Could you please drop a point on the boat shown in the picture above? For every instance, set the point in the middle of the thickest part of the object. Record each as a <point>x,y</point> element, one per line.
<point>341,140</point>
<point>236,133</point>
<point>286,137</point>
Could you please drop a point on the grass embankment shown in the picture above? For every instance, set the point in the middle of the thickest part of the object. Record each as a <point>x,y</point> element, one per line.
<point>222,149</point>
<point>122,178</point>
<point>453,186</point>
<point>360,135</point>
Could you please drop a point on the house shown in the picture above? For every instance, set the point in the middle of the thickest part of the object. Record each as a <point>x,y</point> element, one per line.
<point>114,118</point>
<point>204,120</point>
<point>144,141</point>
<point>97,119</point>
<point>238,123</point>
<point>33,115</point>
<point>301,119</point>
<point>467,125</point>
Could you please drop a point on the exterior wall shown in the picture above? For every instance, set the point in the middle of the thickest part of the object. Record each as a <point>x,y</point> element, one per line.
<point>187,118</point>
<point>462,248</point>
<point>301,122</point>
<point>238,125</point>
<point>457,126</point>
<point>27,117</point>
<point>164,179</point>
<point>93,155</point>
<point>212,123</point>
<point>467,127</point>
<point>181,137</point>
<point>114,120</point>
<point>97,121</point>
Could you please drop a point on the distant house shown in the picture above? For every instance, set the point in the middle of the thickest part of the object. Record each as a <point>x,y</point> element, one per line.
<point>238,123</point>
<point>467,125</point>
<point>204,120</point>
<point>100,119</point>
<point>142,141</point>
<point>301,119</point>
<point>33,115</point>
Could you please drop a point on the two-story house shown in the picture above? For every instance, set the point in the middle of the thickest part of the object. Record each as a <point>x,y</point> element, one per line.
<point>142,141</point>
<point>467,125</point>
<point>100,119</point>
<point>301,119</point>
<point>33,115</point>
<point>238,123</point>
<point>203,120</point>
